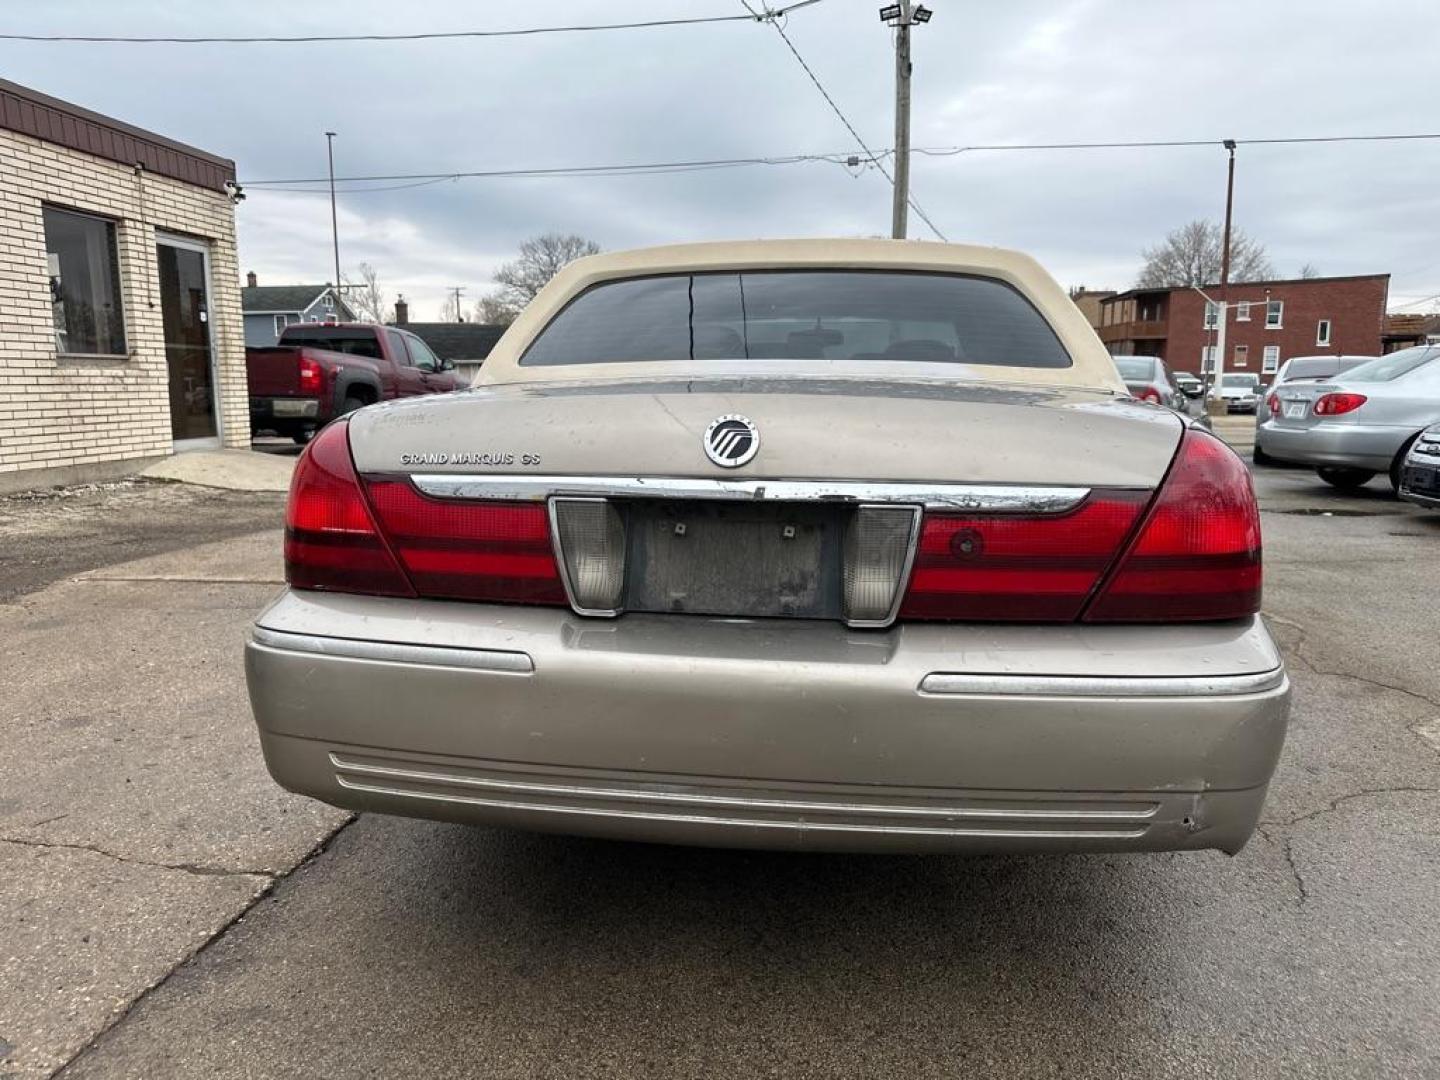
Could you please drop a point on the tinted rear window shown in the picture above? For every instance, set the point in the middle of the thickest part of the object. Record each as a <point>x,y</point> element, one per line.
<point>1311,369</point>
<point>800,315</point>
<point>356,344</point>
<point>1240,380</point>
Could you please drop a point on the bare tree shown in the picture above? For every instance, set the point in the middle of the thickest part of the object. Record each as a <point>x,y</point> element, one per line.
<point>1191,256</point>
<point>492,309</point>
<point>451,311</point>
<point>1309,270</point>
<point>366,299</point>
<point>541,258</point>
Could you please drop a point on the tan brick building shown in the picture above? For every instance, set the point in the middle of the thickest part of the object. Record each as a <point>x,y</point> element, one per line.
<point>121,337</point>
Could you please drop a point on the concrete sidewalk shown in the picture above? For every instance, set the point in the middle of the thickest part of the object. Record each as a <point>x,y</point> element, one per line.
<point>235,470</point>
<point>136,816</point>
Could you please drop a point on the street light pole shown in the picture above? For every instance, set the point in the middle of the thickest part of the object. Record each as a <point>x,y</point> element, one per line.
<point>334,218</point>
<point>902,16</point>
<point>1224,290</point>
<point>901,206</point>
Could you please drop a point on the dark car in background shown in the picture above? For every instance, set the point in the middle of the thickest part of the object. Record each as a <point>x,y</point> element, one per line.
<point>1420,472</point>
<point>1189,385</point>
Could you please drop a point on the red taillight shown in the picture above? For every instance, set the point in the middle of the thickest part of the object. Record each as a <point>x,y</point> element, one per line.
<point>496,551</point>
<point>1198,552</point>
<point>310,376</point>
<point>1335,404</point>
<point>1024,569</point>
<point>331,541</point>
<point>1272,402</point>
<point>1149,394</point>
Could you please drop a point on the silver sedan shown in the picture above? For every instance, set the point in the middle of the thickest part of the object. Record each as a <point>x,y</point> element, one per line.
<point>1359,425</point>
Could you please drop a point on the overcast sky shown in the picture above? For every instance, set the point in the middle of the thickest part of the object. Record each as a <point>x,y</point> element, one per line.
<point>986,71</point>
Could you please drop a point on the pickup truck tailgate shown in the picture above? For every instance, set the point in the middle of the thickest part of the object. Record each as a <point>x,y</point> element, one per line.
<point>273,371</point>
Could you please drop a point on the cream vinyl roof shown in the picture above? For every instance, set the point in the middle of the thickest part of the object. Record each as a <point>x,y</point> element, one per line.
<point>1092,367</point>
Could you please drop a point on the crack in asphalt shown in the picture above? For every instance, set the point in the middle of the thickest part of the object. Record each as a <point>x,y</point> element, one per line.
<point>1335,803</point>
<point>197,869</point>
<point>272,882</point>
<point>1298,652</point>
<point>1287,849</point>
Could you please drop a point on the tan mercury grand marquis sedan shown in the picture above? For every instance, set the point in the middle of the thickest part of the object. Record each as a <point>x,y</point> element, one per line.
<point>843,545</point>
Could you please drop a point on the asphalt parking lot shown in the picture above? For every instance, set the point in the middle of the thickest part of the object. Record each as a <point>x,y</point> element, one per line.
<point>168,912</point>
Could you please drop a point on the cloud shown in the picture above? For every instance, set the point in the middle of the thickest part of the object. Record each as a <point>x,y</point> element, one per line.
<point>1029,71</point>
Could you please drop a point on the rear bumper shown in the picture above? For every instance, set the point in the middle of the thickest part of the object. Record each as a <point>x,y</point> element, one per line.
<point>1359,446</point>
<point>284,413</point>
<point>773,734</point>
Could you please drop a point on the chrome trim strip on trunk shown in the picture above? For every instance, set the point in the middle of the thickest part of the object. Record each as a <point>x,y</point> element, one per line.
<point>1142,811</point>
<point>803,826</point>
<point>1084,686</point>
<point>976,498</point>
<point>386,652</point>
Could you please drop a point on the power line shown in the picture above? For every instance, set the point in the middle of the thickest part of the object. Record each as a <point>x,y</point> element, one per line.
<point>951,151</point>
<point>834,158</point>
<point>530,31</point>
<point>1416,303</point>
<point>779,29</point>
<point>637,168</point>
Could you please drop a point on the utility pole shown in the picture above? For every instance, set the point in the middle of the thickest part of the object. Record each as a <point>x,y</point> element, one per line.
<point>334,218</point>
<point>1224,290</point>
<point>457,290</point>
<point>902,16</point>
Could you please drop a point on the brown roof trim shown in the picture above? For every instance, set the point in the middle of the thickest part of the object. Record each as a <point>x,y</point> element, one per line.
<point>1250,284</point>
<point>43,117</point>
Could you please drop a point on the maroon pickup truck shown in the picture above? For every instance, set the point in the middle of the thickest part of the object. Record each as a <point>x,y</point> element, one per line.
<point>320,371</point>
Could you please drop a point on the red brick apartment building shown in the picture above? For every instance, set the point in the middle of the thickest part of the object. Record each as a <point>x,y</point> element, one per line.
<point>1269,322</point>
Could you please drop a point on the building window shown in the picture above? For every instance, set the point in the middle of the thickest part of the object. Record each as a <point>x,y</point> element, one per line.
<point>84,284</point>
<point>329,302</point>
<point>1208,356</point>
<point>1212,315</point>
<point>1322,332</point>
<point>1274,314</point>
<point>1270,362</point>
<point>1242,311</point>
<point>1242,356</point>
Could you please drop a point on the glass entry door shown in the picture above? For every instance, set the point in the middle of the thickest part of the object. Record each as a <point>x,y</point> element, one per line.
<point>185,308</point>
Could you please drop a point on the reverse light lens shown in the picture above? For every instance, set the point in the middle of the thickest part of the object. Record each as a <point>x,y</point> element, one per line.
<point>592,541</point>
<point>331,541</point>
<point>1337,404</point>
<point>1198,553</point>
<point>1018,569</point>
<point>462,550</point>
<point>877,543</point>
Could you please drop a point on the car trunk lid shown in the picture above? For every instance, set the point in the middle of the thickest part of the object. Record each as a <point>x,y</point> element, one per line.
<point>844,429</point>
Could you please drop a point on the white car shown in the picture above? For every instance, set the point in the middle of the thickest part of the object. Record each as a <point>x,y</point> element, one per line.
<point>1238,392</point>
